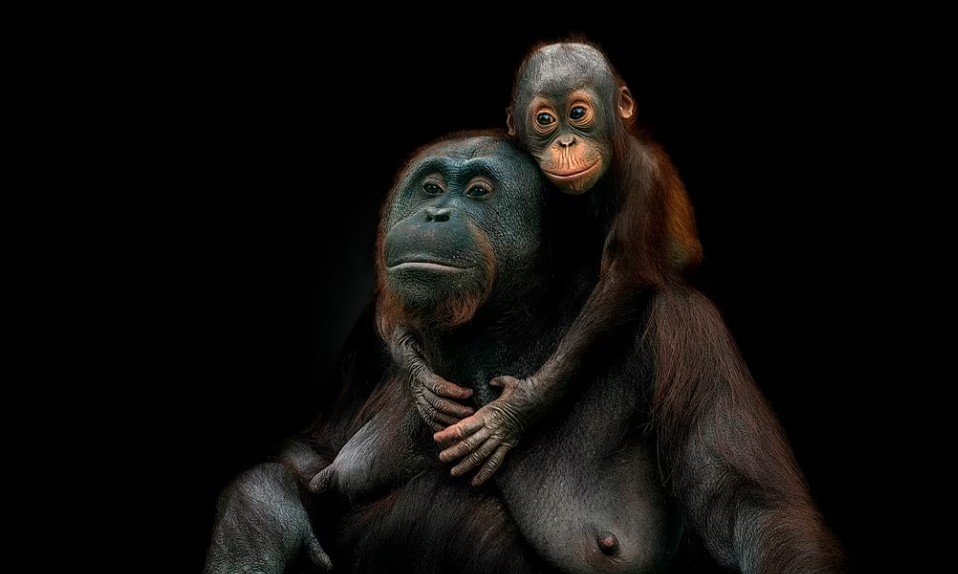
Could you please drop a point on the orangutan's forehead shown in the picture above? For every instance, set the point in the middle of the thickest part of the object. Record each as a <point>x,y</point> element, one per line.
<point>557,69</point>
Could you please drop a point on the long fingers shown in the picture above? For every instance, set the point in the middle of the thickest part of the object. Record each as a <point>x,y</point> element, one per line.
<point>460,430</point>
<point>447,407</point>
<point>436,420</point>
<point>476,458</point>
<point>464,447</point>
<point>491,466</point>
<point>444,388</point>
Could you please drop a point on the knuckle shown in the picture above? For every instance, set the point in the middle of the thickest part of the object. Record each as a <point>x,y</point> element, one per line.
<point>474,458</point>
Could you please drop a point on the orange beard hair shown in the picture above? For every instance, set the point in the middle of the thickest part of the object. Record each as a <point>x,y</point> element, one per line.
<point>451,312</point>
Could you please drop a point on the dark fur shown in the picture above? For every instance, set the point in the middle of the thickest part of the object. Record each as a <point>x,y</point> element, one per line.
<point>737,478</point>
<point>666,377</point>
<point>642,203</point>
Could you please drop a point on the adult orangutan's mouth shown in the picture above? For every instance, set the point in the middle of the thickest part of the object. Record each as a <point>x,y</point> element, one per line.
<point>427,264</point>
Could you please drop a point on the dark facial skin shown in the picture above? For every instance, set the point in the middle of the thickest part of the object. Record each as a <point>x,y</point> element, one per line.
<point>461,226</point>
<point>448,235</point>
<point>433,253</point>
<point>565,113</point>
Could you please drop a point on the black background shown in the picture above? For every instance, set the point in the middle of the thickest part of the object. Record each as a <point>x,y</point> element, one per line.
<point>283,142</point>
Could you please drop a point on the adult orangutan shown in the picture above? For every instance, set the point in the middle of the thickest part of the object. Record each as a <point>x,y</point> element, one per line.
<point>471,259</point>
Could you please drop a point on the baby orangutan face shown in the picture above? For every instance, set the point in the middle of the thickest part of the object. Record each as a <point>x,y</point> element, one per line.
<point>566,113</point>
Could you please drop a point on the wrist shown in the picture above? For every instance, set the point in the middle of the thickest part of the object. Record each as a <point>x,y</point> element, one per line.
<point>527,401</point>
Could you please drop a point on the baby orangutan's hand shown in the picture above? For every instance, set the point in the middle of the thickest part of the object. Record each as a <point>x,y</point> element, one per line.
<point>485,437</point>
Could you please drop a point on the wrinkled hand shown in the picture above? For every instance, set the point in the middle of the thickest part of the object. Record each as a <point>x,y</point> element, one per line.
<point>485,437</point>
<point>434,396</point>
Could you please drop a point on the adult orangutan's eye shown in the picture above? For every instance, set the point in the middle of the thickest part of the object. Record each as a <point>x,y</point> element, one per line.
<point>431,188</point>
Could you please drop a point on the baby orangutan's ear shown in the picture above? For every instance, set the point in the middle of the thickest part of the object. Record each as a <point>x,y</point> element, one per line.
<point>626,104</point>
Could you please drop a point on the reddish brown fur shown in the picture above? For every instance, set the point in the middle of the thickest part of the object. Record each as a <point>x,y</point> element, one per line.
<point>656,225</point>
<point>722,450</point>
<point>725,453</point>
<point>654,234</point>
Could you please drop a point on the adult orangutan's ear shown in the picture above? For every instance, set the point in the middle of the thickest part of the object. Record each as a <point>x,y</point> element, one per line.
<point>510,121</point>
<point>626,104</point>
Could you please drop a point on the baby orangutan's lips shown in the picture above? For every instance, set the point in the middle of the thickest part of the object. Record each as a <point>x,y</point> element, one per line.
<point>557,177</point>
